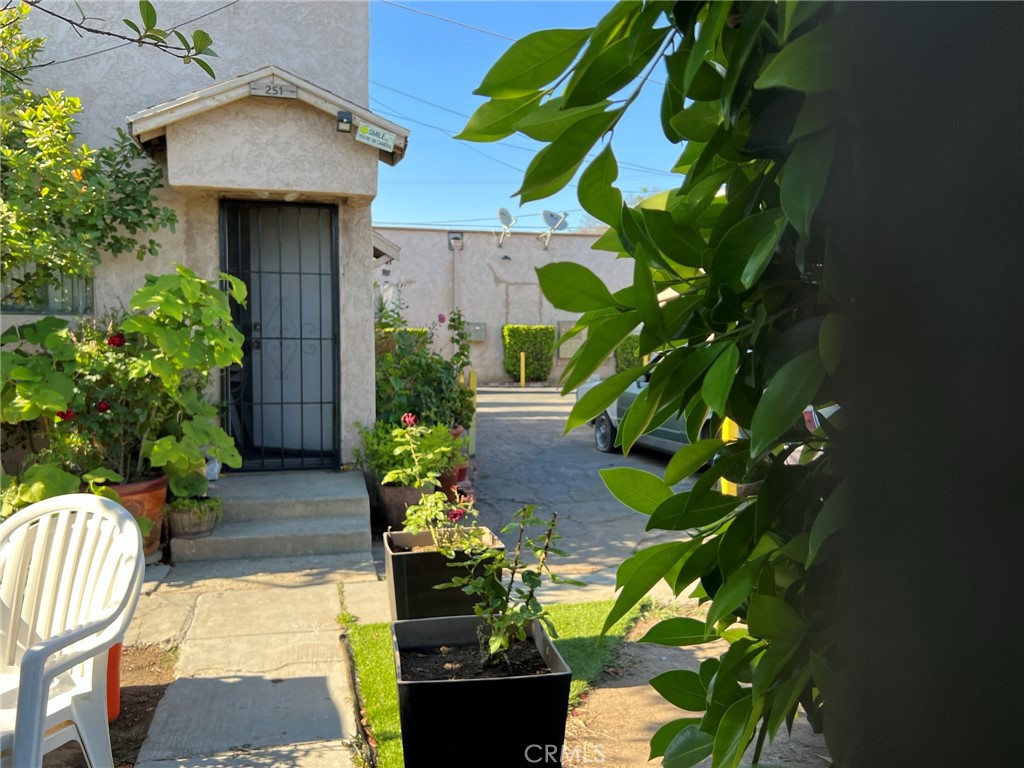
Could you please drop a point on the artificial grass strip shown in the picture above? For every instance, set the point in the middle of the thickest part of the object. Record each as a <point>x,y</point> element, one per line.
<point>579,641</point>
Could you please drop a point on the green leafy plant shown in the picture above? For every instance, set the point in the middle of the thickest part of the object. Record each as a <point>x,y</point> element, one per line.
<point>110,400</point>
<point>508,583</point>
<point>451,525</point>
<point>626,355</point>
<point>736,284</point>
<point>465,407</point>
<point>537,341</point>
<point>461,349</point>
<point>411,454</point>
<point>200,507</point>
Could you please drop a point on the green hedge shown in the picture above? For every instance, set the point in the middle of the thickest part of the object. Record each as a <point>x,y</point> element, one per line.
<point>626,354</point>
<point>538,341</point>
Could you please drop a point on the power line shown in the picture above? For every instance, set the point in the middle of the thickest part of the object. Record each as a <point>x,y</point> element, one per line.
<point>450,21</point>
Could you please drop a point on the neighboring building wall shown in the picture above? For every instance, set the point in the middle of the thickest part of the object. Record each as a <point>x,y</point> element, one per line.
<point>254,148</point>
<point>491,285</point>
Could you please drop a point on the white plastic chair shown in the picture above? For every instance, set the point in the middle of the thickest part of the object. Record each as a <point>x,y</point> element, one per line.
<point>71,570</point>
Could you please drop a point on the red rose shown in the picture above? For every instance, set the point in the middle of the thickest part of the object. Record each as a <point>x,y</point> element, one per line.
<point>409,420</point>
<point>117,340</point>
<point>456,514</point>
<point>102,406</point>
<point>67,415</point>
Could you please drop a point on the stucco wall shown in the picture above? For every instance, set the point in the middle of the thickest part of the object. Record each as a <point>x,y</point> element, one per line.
<point>271,145</point>
<point>326,43</point>
<point>491,285</point>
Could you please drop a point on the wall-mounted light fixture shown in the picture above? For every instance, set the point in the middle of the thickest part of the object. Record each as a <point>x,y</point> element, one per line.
<point>344,122</point>
<point>455,241</point>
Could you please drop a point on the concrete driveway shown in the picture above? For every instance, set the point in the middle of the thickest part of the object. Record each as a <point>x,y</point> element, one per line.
<point>523,458</point>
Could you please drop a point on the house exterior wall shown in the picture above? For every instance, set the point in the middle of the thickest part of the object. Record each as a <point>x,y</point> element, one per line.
<point>254,148</point>
<point>490,288</point>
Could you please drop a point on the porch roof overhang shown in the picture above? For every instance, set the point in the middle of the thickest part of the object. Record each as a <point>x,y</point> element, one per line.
<point>150,124</point>
<point>384,251</point>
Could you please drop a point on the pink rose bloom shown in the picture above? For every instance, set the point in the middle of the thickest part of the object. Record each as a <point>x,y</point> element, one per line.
<point>409,420</point>
<point>442,319</point>
<point>456,514</point>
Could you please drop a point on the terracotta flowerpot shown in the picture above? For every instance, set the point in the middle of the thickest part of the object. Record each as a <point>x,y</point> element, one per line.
<point>412,570</point>
<point>395,498</point>
<point>427,708</point>
<point>146,499</point>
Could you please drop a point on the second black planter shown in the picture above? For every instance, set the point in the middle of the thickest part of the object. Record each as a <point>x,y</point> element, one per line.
<point>412,574</point>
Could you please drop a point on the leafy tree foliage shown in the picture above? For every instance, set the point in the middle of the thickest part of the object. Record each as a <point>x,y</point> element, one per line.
<point>735,284</point>
<point>64,204</point>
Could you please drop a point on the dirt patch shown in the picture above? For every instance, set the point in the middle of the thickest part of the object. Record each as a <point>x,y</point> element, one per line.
<point>614,724</point>
<point>462,662</point>
<point>146,671</point>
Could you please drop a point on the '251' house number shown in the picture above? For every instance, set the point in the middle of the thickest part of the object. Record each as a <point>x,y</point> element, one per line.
<point>273,90</point>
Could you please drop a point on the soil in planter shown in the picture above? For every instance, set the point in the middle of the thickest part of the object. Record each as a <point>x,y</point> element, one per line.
<point>462,662</point>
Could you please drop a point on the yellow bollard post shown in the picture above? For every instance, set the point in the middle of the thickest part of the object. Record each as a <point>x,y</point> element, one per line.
<point>472,429</point>
<point>730,431</point>
<point>522,369</point>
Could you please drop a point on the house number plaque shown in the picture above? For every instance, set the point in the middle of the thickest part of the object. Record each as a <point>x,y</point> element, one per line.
<point>273,90</point>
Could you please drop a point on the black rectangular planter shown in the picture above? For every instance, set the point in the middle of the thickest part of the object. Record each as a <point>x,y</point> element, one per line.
<point>412,575</point>
<point>497,722</point>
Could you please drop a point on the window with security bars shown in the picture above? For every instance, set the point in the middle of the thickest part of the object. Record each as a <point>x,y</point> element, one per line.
<point>72,296</point>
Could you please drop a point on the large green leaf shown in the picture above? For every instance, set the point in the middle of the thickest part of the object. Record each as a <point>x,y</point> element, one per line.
<point>495,119</point>
<point>751,241</point>
<point>690,458</point>
<point>638,417</point>
<point>773,618</point>
<point>803,181</point>
<point>532,62</point>
<point>684,511</point>
<point>698,562</point>
<point>554,166</point>
<point>615,66</point>
<point>666,733</point>
<point>788,393</point>
<point>734,733</point>
<point>683,245</point>
<point>596,399</point>
<point>689,747</point>
<point>677,631</point>
<point>718,380</point>
<point>750,29</point>
<point>772,663</point>
<point>550,120</point>
<point>639,573</point>
<point>699,121</point>
<point>734,591</point>
<point>810,63</point>
<point>833,515</point>
<point>573,287</point>
<point>709,33</point>
<point>636,488</point>
<point>683,688</point>
<point>595,191</point>
<point>602,339</point>
<point>646,297</point>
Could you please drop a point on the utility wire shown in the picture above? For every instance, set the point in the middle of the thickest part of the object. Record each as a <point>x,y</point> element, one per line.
<point>450,21</point>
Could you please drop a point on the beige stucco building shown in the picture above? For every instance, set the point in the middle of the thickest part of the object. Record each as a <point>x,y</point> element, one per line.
<point>493,280</point>
<point>266,185</point>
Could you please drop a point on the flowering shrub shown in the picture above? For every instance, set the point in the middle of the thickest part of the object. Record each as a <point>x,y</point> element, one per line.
<point>507,584</point>
<point>412,454</point>
<point>452,526</point>
<point>111,399</point>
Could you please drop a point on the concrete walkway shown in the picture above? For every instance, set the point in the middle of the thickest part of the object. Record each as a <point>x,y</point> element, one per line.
<point>263,677</point>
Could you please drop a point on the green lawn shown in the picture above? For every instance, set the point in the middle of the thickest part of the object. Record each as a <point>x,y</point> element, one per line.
<point>578,641</point>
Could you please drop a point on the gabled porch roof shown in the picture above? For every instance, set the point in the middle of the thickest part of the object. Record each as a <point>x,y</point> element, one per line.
<point>151,123</point>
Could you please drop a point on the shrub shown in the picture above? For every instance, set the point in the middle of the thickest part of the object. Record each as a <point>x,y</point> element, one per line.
<point>627,354</point>
<point>537,341</point>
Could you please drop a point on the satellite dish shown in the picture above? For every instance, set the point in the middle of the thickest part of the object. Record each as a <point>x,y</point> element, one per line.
<point>555,222</point>
<point>507,222</point>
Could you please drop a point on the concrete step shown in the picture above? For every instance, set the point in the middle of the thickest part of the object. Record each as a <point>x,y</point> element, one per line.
<point>277,538</point>
<point>249,496</point>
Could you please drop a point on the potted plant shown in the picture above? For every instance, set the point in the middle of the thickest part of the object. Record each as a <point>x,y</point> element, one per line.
<point>113,402</point>
<point>503,653</point>
<point>407,460</point>
<point>437,534</point>
<point>193,517</point>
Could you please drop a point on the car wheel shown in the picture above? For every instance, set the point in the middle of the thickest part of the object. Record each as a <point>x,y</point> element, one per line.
<point>604,433</point>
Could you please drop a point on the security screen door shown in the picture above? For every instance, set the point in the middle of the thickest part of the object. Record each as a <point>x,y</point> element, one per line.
<point>283,402</point>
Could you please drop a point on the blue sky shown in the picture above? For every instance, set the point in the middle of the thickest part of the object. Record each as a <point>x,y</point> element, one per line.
<point>423,71</point>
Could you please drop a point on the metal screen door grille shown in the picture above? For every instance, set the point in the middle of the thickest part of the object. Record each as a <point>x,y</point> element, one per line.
<point>283,401</point>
